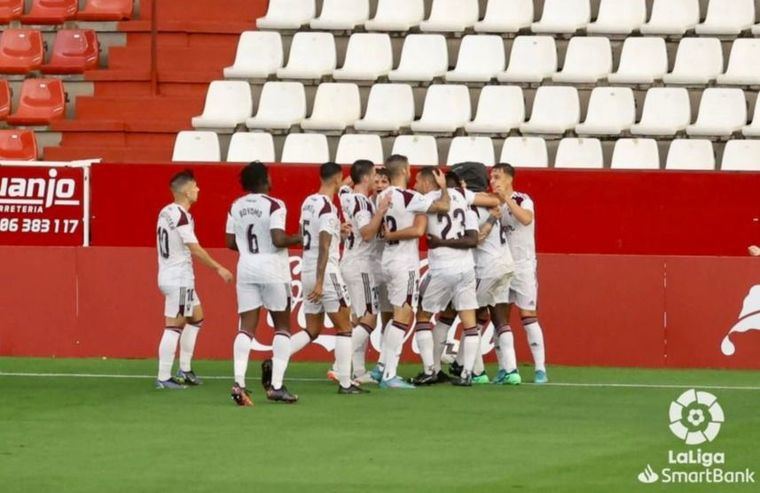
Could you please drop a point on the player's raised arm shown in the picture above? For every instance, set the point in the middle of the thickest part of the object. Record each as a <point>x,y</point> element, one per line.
<point>491,222</point>
<point>206,259</point>
<point>443,204</point>
<point>370,230</point>
<point>522,212</point>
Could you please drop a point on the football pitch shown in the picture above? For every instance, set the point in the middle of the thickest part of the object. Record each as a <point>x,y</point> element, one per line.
<point>86,425</point>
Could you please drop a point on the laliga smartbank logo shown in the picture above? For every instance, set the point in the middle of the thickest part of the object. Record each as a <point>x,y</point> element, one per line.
<point>695,418</point>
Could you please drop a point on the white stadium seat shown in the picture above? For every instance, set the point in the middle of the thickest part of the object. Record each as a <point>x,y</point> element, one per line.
<point>741,155</point>
<point>368,56</point>
<point>673,17</point>
<point>556,110</point>
<point>698,61</point>
<point>246,147</point>
<point>667,110</point>
<point>727,17</point>
<point>352,147</point>
<point>390,107</point>
<point>619,17</point>
<point>341,15</point>
<point>532,59</point>
<point>447,108</point>
<point>506,16</point>
<point>722,112</point>
<point>281,105</point>
<point>337,105</point>
<point>691,154</point>
<point>611,111</point>
<point>481,57</point>
<point>396,15</point>
<point>419,149</point>
<point>305,148</point>
<point>228,104</point>
<point>471,149</point>
<point>563,16</point>
<point>423,58</point>
<point>587,61</point>
<point>312,56</point>
<point>753,129</point>
<point>452,16</point>
<point>580,154</point>
<point>259,55</point>
<point>525,152</point>
<point>288,14</point>
<point>642,61</point>
<point>501,109</point>
<point>196,146</point>
<point>743,67</point>
<point>635,154</point>
<point>756,30</point>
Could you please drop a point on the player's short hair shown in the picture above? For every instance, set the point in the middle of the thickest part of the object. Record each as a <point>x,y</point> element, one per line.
<point>360,169</point>
<point>329,169</point>
<point>427,172</point>
<point>381,171</point>
<point>505,168</point>
<point>453,180</point>
<point>181,179</point>
<point>254,177</point>
<point>396,164</point>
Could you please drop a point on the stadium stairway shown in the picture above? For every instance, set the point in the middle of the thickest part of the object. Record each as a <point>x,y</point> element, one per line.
<point>123,120</point>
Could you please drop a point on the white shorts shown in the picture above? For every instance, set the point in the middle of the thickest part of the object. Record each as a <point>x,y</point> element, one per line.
<point>403,286</point>
<point>523,290</point>
<point>362,290</point>
<point>492,291</point>
<point>180,301</point>
<point>334,293</point>
<point>440,288</point>
<point>275,296</point>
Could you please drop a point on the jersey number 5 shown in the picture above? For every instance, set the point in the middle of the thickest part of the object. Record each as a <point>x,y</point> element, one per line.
<point>306,235</point>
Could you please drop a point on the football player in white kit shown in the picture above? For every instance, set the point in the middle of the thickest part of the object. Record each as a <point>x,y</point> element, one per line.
<point>256,229</point>
<point>321,277</point>
<point>518,215</point>
<point>405,223</point>
<point>177,245</point>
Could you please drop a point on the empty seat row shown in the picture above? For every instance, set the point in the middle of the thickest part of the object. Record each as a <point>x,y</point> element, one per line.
<point>584,153</point>
<point>500,110</point>
<point>18,145</point>
<point>41,102</point>
<point>60,11</point>
<point>672,17</point>
<point>23,51</point>
<point>482,58</point>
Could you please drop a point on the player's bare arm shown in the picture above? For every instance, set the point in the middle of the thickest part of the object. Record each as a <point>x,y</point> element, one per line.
<point>491,222</point>
<point>281,239</point>
<point>201,254</point>
<point>324,253</point>
<point>754,250</point>
<point>416,230</point>
<point>229,241</point>
<point>523,216</point>
<point>489,200</point>
<point>371,230</point>
<point>469,240</point>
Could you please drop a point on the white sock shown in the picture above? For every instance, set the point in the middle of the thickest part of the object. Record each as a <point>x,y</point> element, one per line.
<point>506,349</point>
<point>536,342</point>
<point>394,339</point>
<point>343,359</point>
<point>460,354</point>
<point>424,336</point>
<point>241,350</point>
<point>359,340</point>
<point>480,365</point>
<point>280,357</point>
<point>470,340</point>
<point>166,349</point>
<point>187,345</point>
<point>299,341</point>
<point>440,333</point>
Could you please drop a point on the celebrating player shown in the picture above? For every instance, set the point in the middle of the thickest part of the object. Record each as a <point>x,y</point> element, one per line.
<point>256,229</point>
<point>177,245</point>
<point>518,215</point>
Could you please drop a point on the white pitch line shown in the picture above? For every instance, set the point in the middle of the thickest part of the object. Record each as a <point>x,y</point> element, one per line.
<point>551,384</point>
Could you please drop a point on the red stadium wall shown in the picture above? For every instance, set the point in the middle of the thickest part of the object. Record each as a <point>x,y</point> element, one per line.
<point>603,310</point>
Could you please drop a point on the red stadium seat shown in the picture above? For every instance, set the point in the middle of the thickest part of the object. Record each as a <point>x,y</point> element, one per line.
<point>5,99</point>
<point>18,145</point>
<point>74,51</point>
<point>106,10</point>
<point>41,102</point>
<point>10,10</point>
<point>50,11</point>
<point>21,51</point>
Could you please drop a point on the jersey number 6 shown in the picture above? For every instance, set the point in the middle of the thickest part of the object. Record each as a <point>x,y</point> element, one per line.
<point>253,242</point>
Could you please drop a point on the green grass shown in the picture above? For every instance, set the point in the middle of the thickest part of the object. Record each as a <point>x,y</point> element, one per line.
<point>67,434</point>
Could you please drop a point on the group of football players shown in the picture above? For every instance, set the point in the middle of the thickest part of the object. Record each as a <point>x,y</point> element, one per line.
<point>481,262</point>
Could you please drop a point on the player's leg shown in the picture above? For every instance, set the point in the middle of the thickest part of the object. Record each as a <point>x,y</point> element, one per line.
<point>174,322</point>
<point>479,375</point>
<point>314,317</point>
<point>359,341</point>
<point>466,304</point>
<point>241,346</point>
<point>525,290</point>
<point>187,344</point>
<point>403,292</point>
<point>423,335</point>
<point>362,290</point>
<point>341,319</point>
<point>505,346</point>
<point>277,301</point>
<point>443,322</point>
<point>385,318</point>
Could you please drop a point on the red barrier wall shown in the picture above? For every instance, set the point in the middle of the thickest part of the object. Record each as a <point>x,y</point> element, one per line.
<point>604,212</point>
<point>648,311</point>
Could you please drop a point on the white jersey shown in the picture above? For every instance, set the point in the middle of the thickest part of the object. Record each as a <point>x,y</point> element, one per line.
<point>521,238</point>
<point>492,257</point>
<point>404,206</point>
<point>251,219</point>
<point>175,230</point>
<point>319,214</point>
<point>448,226</point>
<point>357,211</point>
